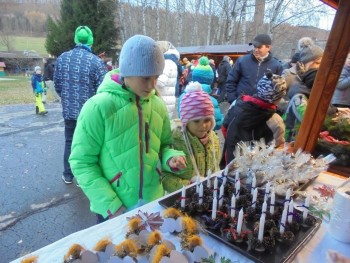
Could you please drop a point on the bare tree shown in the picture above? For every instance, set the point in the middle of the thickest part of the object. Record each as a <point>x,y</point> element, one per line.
<point>7,40</point>
<point>259,16</point>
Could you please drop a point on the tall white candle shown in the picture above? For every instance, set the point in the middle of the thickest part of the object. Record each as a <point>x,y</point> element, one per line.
<point>198,181</point>
<point>183,197</point>
<point>253,185</point>
<point>261,227</point>
<point>264,208</point>
<point>283,220</point>
<point>238,188</point>
<point>286,202</point>
<point>214,208</point>
<point>306,207</point>
<point>290,211</point>
<point>237,176</point>
<point>267,191</point>
<point>226,170</point>
<point>215,187</point>
<point>240,222</point>
<point>221,195</point>
<point>201,194</point>
<point>272,203</point>
<point>224,179</point>
<point>233,206</point>
<point>255,195</point>
<point>208,178</point>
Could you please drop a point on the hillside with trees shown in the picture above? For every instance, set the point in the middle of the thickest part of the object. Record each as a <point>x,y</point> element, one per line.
<point>184,23</point>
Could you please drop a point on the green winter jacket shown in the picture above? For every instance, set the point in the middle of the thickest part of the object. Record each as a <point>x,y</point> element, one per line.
<point>204,155</point>
<point>117,144</point>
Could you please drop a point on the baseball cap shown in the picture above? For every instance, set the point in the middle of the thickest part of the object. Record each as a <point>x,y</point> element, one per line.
<point>261,39</point>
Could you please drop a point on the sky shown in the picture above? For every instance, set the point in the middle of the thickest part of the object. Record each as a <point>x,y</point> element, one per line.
<point>326,21</point>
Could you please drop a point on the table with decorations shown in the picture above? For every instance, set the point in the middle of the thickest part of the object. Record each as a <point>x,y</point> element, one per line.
<point>267,205</point>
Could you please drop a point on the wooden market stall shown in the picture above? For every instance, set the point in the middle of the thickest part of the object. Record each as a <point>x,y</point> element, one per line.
<point>216,52</point>
<point>336,50</point>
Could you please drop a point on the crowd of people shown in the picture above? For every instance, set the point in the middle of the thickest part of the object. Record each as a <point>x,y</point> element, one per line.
<point>151,125</point>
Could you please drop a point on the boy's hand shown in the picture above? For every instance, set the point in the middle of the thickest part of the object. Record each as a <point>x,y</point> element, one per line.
<point>177,163</point>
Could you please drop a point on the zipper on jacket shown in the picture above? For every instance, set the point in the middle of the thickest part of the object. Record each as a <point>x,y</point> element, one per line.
<point>160,175</point>
<point>116,178</point>
<point>147,136</point>
<point>139,110</point>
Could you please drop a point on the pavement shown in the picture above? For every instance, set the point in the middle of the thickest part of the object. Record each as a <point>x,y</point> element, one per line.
<point>36,207</point>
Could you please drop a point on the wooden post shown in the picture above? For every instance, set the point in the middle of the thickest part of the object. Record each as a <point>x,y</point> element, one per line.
<point>336,51</point>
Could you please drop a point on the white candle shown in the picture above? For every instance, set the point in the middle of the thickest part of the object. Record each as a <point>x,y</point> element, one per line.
<point>226,170</point>
<point>240,222</point>
<point>286,202</point>
<point>237,176</point>
<point>306,207</point>
<point>201,194</point>
<point>198,181</point>
<point>261,227</point>
<point>290,211</point>
<point>224,179</point>
<point>253,185</point>
<point>221,195</point>
<point>255,195</point>
<point>264,208</point>
<point>213,210</point>
<point>183,197</point>
<point>238,188</point>
<point>272,203</point>
<point>215,187</point>
<point>283,220</point>
<point>267,191</point>
<point>208,180</point>
<point>233,206</point>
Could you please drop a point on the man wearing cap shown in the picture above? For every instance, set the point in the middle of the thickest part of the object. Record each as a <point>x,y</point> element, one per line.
<point>77,75</point>
<point>250,68</point>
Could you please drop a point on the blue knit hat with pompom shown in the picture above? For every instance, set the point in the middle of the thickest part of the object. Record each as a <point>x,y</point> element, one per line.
<point>203,73</point>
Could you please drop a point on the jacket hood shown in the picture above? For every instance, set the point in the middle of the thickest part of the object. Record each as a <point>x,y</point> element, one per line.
<point>171,57</point>
<point>112,83</point>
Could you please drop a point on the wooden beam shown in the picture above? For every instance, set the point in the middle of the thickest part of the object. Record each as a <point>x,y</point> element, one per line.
<point>331,3</point>
<point>336,50</point>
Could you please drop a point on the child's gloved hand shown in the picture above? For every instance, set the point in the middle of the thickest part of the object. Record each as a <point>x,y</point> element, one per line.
<point>177,163</point>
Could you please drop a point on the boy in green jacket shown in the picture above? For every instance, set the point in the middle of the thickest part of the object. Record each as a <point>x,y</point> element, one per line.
<point>122,132</point>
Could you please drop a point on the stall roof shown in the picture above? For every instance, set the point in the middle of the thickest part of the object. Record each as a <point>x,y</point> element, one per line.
<point>215,49</point>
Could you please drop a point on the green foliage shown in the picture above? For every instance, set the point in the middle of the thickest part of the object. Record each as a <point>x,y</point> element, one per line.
<point>96,14</point>
<point>211,259</point>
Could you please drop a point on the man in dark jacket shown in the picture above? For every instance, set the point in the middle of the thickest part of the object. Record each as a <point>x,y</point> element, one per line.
<point>223,71</point>
<point>78,73</point>
<point>250,68</point>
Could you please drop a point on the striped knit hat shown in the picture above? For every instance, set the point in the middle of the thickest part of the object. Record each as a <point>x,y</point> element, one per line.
<point>271,87</point>
<point>203,73</point>
<point>195,104</point>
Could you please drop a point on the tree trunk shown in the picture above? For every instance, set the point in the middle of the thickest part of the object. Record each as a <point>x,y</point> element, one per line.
<point>259,16</point>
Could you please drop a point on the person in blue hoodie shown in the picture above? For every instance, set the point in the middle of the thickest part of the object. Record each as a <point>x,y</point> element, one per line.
<point>38,89</point>
<point>204,74</point>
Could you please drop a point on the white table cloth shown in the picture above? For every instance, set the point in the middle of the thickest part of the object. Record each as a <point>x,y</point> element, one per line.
<point>314,251</point>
